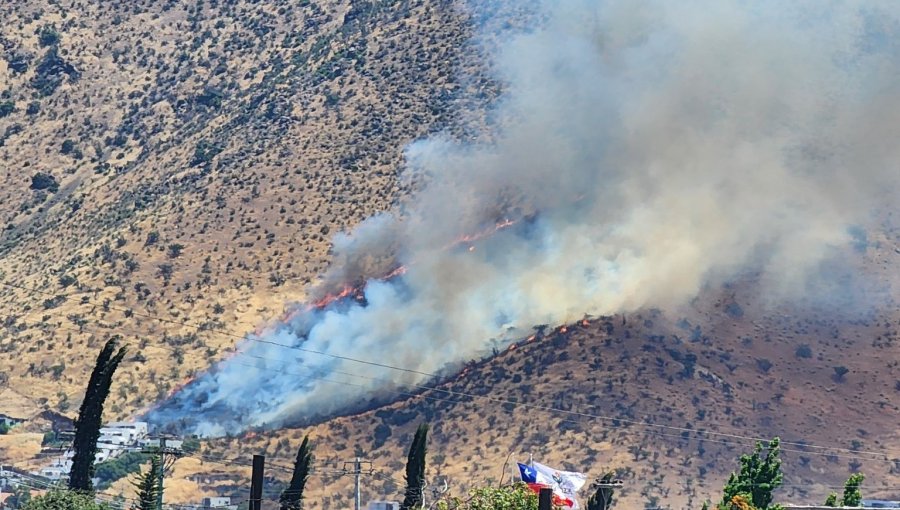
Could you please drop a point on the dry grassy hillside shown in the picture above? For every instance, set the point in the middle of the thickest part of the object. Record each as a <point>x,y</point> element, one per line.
<point>666,399</point>
<point>172,172</point>
<point>183,162</point>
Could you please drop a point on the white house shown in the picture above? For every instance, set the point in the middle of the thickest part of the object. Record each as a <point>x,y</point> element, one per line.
<point>383,505</point>
<point>216,502</point>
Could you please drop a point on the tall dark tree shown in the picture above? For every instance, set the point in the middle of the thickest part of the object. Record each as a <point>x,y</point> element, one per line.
<point>90,416</point>
<point>292,497</point>
<point>147,486</point>
<point>415,470</point>
<point>602,497</point>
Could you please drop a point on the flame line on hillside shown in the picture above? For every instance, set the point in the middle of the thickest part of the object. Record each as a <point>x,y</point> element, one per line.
<point>350,290</point>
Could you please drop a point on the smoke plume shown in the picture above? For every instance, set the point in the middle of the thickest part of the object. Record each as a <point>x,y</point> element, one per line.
<point>641,151</point>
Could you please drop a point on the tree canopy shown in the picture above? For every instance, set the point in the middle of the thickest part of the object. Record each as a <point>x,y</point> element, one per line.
<point>64,500</point>
<point>515,497</point>
<point>415,470</point>
<point>147,485</point>
<point>292,497</point>
<point>758,477</point>
<point>90,416</point>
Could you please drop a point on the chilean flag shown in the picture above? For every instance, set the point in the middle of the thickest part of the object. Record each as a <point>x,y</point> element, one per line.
<point>563,483</point>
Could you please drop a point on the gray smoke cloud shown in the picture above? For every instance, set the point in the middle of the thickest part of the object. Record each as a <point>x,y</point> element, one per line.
<point>645,150</point>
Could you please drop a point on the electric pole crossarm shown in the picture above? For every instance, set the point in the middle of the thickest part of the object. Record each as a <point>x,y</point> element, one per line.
<point>355,468</point>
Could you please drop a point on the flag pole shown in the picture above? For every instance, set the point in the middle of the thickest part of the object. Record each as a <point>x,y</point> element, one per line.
<point>531,460</point>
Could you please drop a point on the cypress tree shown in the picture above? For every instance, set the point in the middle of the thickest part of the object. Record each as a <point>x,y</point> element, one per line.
<point>90,416</point>
<point>291,498</point>
<point>415,470</point>
<point>147,486</point>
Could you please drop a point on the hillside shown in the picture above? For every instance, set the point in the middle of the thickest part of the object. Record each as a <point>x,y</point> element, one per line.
<point>173,172</point>
<point>200,156</point>
<point>667,401</point>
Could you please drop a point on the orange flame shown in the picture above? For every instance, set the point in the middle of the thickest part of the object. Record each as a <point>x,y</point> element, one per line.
<point>184,382</point>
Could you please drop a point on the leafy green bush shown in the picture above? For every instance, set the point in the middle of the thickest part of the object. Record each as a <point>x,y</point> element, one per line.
<point>42,180</point>
<point>119,467</point>
<point>804,351</point>
<point>48,36</point>
<point>6,107</point>
<point>64,500</point>
<point>516,497</point>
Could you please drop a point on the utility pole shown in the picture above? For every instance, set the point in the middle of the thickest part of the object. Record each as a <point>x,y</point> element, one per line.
<point>256,482</point>
<point>357,471</point>
<point>167,457</point>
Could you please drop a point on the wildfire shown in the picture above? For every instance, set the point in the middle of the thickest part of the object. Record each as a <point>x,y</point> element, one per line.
<point>563,329</point>
<point>347,291</point>
<point>352,290</point>
<point>585,322</point>
<point>184,382</point>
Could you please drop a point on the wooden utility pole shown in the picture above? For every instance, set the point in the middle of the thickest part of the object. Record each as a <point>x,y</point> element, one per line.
<point>256,482</point>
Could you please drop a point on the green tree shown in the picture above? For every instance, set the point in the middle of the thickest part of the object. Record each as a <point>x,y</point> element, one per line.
<point>19,497</point>
<point>64,500</point>
<point>602,497</point>
<point>515,497</point>
<point>739,502</point>
<point>292,497</point>
<point>90,416</point>
<point>758,477</point>
<point>48,36</point>
<point>852,492</point>
<point>147,485</point>
<point>108,471</point>
<point>415,470</point>
<point>831,500</point>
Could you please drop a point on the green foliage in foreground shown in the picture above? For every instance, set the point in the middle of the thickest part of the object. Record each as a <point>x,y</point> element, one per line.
<point>515,497</point>
<point>752,486</point>
<point>852,492</point>
<point>64,500</point>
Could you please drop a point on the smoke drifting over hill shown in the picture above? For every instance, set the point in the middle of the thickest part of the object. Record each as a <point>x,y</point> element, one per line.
<point>644,150</point>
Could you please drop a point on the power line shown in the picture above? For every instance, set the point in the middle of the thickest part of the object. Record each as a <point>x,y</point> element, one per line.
<point>541,408</point>
<point>538,407</point>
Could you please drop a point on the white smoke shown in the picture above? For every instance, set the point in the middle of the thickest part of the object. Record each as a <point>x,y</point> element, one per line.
<point>646,148</point>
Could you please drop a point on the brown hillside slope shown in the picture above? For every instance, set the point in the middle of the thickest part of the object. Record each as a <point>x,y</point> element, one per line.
<point>204,154</point>
<point>660,397</point>
<point>216,146</point>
